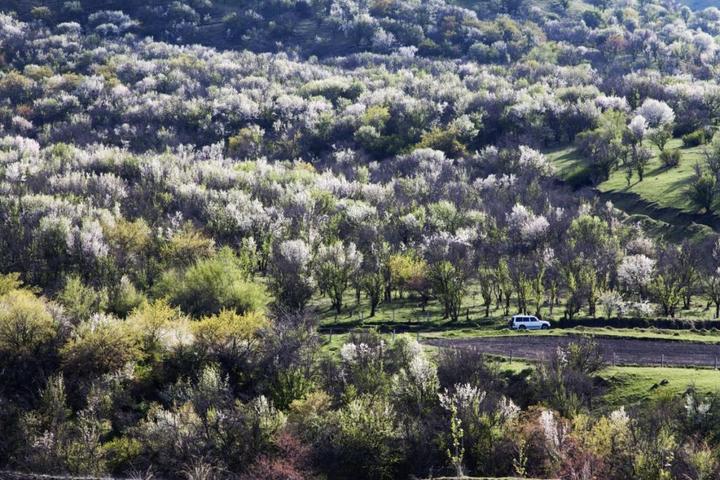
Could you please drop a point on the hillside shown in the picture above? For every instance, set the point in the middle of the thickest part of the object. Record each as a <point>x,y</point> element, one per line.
<point>661,197</point>
<point>359,239</point>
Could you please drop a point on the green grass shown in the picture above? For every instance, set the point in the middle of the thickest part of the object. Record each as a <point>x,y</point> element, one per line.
<point>659,203</point>
<point>661,186</point>
<point>631,385</point>
<point>406,313</point>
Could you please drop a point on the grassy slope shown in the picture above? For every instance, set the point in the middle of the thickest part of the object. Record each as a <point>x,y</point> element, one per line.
<point>661,186</point>
<point>659,202</point>
<point>665,187</point>
<point>630,385</point>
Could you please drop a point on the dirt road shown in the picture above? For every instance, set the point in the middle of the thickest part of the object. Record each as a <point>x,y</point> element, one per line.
<point>619,351</point>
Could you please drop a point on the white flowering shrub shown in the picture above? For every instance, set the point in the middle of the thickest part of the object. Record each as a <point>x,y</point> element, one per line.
<point>636,271</point>
<point>657,113</point>
<point>612,304</point>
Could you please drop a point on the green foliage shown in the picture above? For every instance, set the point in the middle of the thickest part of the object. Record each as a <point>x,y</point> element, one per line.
<point>694,139</point>
<point>448,283</point>
<point>456,451</point>
<point>604,146</point>
<point>26,325</point>
<point>186,246</point>
<point>51,418</point>
<point>97,347</point>
<point>661,136</point>
<point>247,143</point>
<point>445,140</point>
<point>565,382</point>
<point>9,282</point>
<point>80,301</point>
<point>205,421</point>
<point>229,335</point>
<point>670,158</point>
<point>211,285</point>
<point>366,438</point>
<point>124,298</point>
<point>703,191</point>
<point>334,268</point>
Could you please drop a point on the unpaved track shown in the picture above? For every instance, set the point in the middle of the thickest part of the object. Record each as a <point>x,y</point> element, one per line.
<point>619,351</point>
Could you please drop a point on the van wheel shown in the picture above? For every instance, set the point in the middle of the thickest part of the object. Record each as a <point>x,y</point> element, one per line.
<point>522,327</point>
<point>544,327</point>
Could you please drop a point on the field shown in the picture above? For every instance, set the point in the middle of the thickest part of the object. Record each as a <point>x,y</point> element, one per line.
<point>629,385</point>
<point>642,362</point>
<point>622,385</point>
<point>615,350</point>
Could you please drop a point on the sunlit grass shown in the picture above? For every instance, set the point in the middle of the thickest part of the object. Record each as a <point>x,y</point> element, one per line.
<point>631,385</point>
<point>665,187</point>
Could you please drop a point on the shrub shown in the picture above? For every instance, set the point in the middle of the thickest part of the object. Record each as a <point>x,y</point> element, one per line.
<point>291,462</point>
<point>211,285</point>
<point>151,326</point>
<point>80,301</point>
<point>290,274</point>
<point>464,365</point>
<point>28,335</point>
<point>367,437</point>
<point>41,13</point>
<point>694,139</point>
<point>186,246</point>
<point>228,334</point>
<point>25,324</point>
<point>670,158</point>
<point>100,346</point>
<point>124,298</point>
<point>9,282</point>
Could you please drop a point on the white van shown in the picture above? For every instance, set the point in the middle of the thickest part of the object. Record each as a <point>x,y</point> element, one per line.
<point>528,322</point>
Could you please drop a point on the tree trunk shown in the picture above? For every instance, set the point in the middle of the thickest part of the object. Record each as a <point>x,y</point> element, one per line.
<point>687,301</point>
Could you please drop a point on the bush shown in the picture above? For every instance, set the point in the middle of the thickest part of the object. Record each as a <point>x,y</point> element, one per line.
<point>461,365</point>
<point>366,442</point>
<point>25,324</point>
<point>229,335</point>
<point>28,353</point>
<point>696,138</point>
<point>212,285</point>
<point>124,298</point>
<point>670,158</point>
<point>98,347</point>
<point>80,301</point>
